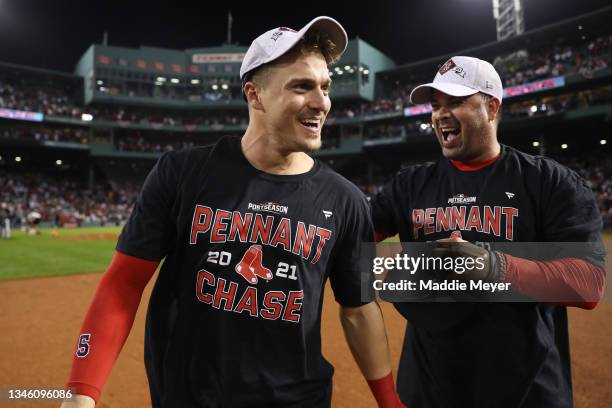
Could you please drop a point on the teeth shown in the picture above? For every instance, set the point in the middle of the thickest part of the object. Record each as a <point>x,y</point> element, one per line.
<point>311,123</point>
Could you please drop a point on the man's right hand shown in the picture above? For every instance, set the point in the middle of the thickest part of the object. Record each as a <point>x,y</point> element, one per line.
<point>80,401</point>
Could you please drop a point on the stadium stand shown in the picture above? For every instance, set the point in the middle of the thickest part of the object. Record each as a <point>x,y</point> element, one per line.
<point>112,122</point>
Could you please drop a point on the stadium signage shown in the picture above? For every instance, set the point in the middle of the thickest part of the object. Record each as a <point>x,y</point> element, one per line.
<point>21,115</point>
<point>217,58</point>
<point>532,87</point>
<point>417,110</point>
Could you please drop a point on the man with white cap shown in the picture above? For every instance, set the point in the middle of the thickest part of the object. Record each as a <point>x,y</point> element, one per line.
<point>251,229</point>
<point>492,354</point>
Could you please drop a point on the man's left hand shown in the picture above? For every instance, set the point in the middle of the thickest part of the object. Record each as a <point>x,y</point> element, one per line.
<point>486,265</point>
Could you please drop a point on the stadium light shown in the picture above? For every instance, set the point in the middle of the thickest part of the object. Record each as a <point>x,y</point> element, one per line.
<point>347,67</point>
<point>224,86</point>
<point>18,159</point>
<point>603,141</point>
<point>158,83</point>
<point>564,146</point>
<point>360,68</point>
<point>535,144</point>
<point>215,87</point>
<point>58,162</point>
<point>533,109</point>
<point>366,71</point>
<point>102,89</point>
<point>99,82</point>
<point>86,117</point>
<point>160,79</point>
<point>175,80</point>
<point>195,81</point>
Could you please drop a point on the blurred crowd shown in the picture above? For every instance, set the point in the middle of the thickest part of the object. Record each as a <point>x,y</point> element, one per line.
<point>140,144</point>
<point>597,171</point>
<point>40,133</point>
<point>64,202</point>
<point>515,69</point>
<point>158,141</point>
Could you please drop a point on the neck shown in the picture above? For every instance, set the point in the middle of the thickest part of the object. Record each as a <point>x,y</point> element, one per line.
<point>266,154</point>
<point>483,160</point>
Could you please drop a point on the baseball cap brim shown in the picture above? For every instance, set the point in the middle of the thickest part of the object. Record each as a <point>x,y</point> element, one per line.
<point>422,93</point>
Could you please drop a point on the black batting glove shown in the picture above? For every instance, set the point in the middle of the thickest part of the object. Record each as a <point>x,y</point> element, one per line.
<point>485,265</point>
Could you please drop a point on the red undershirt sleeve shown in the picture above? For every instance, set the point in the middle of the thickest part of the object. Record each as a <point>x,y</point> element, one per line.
<point>108,322</point>
<point>566,281</point>
<point>379,236</point>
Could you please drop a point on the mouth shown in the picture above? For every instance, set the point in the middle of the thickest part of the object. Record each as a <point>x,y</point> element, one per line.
<point>312,125</point>
<point>451,136</point>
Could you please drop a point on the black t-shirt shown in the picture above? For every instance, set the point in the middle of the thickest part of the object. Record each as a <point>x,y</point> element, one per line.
<point>488,354</point>
<point>234,318</point>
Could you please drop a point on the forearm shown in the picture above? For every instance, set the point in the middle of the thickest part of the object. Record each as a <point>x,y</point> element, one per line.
<point>108,323</point>
<point>567,281</point>
<point>365,334</point>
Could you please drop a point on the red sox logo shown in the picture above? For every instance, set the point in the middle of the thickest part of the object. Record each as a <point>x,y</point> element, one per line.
<point>251,267</point>
<point>450,64</point>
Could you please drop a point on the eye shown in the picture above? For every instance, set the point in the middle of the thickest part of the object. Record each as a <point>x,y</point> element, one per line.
<point>301,87</point>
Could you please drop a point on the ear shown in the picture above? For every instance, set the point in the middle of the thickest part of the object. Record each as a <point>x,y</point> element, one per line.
<point>493,108</point>
<point>253,95</point>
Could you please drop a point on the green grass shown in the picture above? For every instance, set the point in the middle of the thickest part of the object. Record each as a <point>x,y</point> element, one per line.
<point>24,256</point>
<point>43,255</point>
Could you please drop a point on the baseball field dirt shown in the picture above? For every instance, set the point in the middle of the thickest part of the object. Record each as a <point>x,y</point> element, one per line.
<point>40,321</point>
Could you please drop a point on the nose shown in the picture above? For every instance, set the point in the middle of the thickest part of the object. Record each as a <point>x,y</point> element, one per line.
<point>319,100</point>
<point>439,114</point>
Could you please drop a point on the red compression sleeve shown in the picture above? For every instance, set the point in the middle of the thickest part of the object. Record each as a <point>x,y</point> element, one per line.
<point>383,390</point>
<point>108,322</point>
<point>566,281</point>
<point>379,236</point>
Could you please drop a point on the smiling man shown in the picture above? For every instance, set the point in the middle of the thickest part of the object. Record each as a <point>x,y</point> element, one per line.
<point>505,355</point>
<point>251,229</point>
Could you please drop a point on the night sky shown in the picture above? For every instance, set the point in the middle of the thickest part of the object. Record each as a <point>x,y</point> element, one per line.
<point>54,33</point>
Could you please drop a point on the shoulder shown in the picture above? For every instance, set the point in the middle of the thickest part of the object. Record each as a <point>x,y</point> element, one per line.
<point>414,177</point>
<point>548,170</point>
<point>186,156</point>
<point>177,163</point>
<point>345,191</point>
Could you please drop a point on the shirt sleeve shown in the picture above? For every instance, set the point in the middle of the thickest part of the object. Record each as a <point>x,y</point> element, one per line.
<point>570,213</point>
<point>148,232</point>
<point>384,208</point>
<point>350,275</point>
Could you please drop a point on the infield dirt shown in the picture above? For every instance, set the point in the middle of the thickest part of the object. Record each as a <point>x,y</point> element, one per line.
<point>41,319</point>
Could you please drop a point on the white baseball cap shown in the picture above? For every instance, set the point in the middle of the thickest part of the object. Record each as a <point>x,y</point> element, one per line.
<point>276,42</point>
<point>461,76</point>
